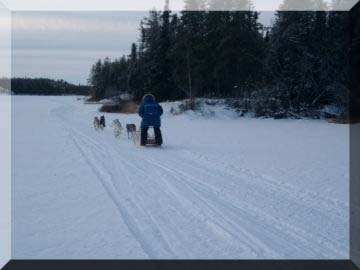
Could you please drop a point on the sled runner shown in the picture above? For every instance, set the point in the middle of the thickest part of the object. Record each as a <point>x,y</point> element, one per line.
<point>136,137</point>
<point>150,137</point>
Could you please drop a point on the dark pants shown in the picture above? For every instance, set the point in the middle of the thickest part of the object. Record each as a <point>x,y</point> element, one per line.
<point>144,135</point>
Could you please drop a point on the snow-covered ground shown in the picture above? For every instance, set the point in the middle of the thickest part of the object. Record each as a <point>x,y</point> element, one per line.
<point>219,187</point>
<point>5,179</point>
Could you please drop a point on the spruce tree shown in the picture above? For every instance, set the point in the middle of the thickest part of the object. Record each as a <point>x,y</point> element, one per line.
<point>338,58</point>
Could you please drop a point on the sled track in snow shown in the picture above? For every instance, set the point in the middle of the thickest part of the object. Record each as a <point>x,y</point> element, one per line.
<point>236,216</point>
<point>251,217</point>
<point>330,206</point>
<point>85,144</point>
<point>121,200</point>
<point>97,158</point>
<point>289,195</point>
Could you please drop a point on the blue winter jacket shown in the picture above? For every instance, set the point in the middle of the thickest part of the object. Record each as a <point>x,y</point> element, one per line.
<point>150,112</point>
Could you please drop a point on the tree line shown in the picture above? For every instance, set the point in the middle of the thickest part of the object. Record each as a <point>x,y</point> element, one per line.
<point>299,63</point>
<point>42,86</point>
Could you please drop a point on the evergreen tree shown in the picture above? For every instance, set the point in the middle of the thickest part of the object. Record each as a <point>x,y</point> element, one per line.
<point>291,58</point>
<point>167,86</point>
<point>338,57</point>
<point>151,53</point>
<point>189,54</point>
<point>96,81</point>
<point>134,76</point>
<point>288,67</point>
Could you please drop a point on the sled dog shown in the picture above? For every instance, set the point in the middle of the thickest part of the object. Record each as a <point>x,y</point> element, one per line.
<point>96,123</point>
<point>131,129</point>
<point>117,128</point>
<point>102,122</point>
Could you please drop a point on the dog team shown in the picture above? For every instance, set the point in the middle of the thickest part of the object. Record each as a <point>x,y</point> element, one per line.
<point>150,112</point>
<point>99,124</point>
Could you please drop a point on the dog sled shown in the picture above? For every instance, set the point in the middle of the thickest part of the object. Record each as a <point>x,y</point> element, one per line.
<point>136,137</point>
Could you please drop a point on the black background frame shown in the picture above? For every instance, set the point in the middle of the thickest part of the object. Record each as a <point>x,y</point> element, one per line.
<point>354,257</point>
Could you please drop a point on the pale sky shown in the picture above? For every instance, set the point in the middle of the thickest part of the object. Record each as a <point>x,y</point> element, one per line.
<point>97,5</point>
<point>64,45</point>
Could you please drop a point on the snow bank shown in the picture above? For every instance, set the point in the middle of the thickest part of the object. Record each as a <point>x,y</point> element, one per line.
<point>205,108</point>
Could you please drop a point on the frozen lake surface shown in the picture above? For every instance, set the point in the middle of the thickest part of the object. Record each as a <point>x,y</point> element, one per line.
<point>220,187</point>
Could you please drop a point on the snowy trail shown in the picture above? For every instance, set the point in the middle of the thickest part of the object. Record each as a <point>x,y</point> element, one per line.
<point>250,216</point>
<point>121,200</point>
<point>178,202</point>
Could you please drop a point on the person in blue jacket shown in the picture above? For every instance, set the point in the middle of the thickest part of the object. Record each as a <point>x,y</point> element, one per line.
<point>150,112</point>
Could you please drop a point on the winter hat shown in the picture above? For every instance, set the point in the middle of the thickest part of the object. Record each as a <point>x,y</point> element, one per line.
<point>148,97</point>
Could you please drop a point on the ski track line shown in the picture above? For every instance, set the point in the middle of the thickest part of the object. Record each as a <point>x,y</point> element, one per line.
<point>207,212</point>
<point>224,209</point>
<point>327,212</point>
<point>306,194</point>
<point>265,190</point>
<point>270,187</point>
<point>187,204</point>
<point>138,189</point>
<point>307,197</point>
<point>130,222</point>
<point>234,232</point>
<point>296,232</point>
<point>146,216</point>
<point>145,239</point>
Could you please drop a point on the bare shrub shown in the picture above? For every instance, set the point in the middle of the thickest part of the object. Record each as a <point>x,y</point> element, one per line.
<point>119,107</point>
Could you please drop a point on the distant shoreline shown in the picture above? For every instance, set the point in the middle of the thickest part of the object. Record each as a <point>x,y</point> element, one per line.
<point>43,87</point>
